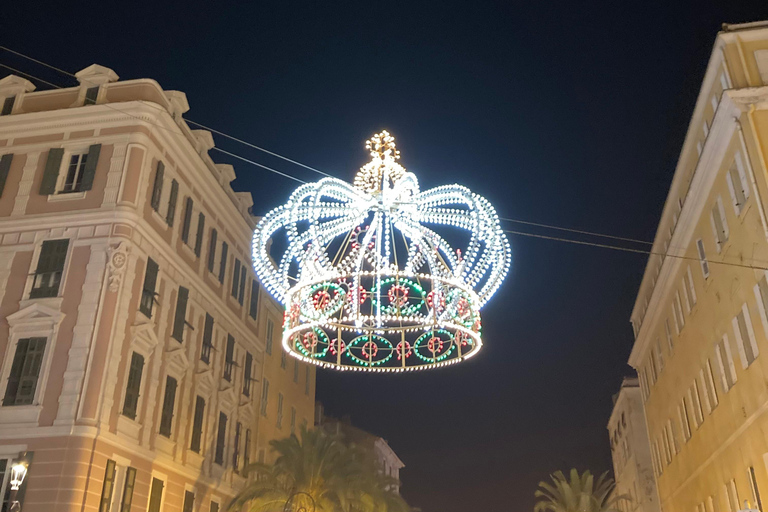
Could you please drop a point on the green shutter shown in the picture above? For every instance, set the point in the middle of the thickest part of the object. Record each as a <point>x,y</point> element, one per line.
<point>30,372</point>
<point>133,385</point>
<point>181,314</point>
<point>172,202</point>
<point>241,292</point>
<point>169,400</point>
<point>199,239</point>
<point>197,424</point>
<point>5,167</point>
<point>157,189</point>
<point>223,264</point>
<point>15,375</point>
<point>212,249</point>
<point>90,167</point>
<point>130,482</point>
<point>205,353</point>
<point>189,501</point>
<point>51,173</point>
<point>148,291</point>
<point>53,254</point>
<point>109,486</point>
<point>253,308</point>
<point>235,278</point>
<point>236,447</point>
<point>247,374</point>
<point>221,437</point>
<point>156,495</point>
<point>189,205</point>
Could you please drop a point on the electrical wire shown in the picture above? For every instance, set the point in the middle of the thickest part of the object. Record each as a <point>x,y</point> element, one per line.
<point>591,233</point>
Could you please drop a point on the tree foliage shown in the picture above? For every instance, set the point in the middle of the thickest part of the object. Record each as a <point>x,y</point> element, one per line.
<point>321,472</point>
<point>579,494</point>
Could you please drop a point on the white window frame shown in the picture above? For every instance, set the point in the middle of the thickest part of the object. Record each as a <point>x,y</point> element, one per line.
<point>725,366</point>
<point>670,341</point>
<point>33,267</point>
<point>738,166</point>
<point>677,311</point>
<point>720,238</point>
<point>739,336</point>
<point>761,302</point>
<point>690,289</point>
<point>143,343</point>
<point>673,437</point>
<point>694,397</point>
<point>164,478</point>
<point>659,356</point>
<point>685,421</point>
<point>702,258</point>
<point>64,170</point>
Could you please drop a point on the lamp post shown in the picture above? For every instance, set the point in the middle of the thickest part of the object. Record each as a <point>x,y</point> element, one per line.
<point>18,472</point>
<point>299,502</point>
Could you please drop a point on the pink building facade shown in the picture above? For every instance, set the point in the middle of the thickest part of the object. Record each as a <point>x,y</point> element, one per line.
<point>132,329</point>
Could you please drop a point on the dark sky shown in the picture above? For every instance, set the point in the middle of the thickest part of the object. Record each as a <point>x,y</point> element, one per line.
<point>563,113</point>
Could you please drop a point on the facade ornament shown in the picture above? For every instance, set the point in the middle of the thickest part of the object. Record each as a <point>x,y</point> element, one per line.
<point>116,264</point>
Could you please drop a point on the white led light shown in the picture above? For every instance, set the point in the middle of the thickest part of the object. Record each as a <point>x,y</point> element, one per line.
<point>368,278</point>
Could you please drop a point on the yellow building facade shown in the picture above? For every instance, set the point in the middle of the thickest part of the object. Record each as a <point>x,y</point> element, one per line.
<point>700,318</point>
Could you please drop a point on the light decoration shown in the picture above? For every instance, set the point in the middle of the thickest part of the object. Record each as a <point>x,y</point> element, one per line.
<point>369,279</point>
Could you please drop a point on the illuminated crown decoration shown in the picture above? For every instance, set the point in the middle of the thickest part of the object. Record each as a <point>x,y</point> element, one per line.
<point>368,278</point>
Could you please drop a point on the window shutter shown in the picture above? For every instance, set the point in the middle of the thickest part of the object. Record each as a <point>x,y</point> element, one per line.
<point>212,250</point>
<point>51,173</point>
<point>130,482</point>
<point>148,291</point>
<point>197,425</point>
<point>53,254</point>
<point>171,214</point>
<point>189,204</point>
<point>236,447</point>
<point>205,353</point>
<point>157,189</point>
<point>189,501</point>
<point>235,278</point>
<point>169,400</point>
<point>247,449</point>
<point>241,295</point>
<point>221,436</point>
<point>30,372</point>
<point>5,167</point>
<point>91,94</point>
<point>90,167</point>
<point>200,230</point>
<point>253,307</point>
<point>247,374</point>
<point>181,314</point>
<point>223,264</point>
<point>15,375</point>
<point>132,387</point>
<point>8,106</point>
<point>109,486</point>
<point>156,495</point>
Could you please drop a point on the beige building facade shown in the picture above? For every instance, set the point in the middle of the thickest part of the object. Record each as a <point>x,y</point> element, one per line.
<point>136,347</point>
<point>700,318</point>
<point>632,467</point>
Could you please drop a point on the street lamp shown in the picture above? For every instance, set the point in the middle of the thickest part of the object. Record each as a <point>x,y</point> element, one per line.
<point>748,508</point>
<point>18,472</point>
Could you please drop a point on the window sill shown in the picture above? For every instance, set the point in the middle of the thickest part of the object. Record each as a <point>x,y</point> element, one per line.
<point>159,218</point>
<point>128,427</point>
<point>66,196</point>
<point>51,302</point>
<point>194,459</point>
<point>20,416</point>
<point>165,445</point>
<point>189,250</point>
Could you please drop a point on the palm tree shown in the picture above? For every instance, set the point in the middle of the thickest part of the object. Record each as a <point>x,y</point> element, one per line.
<point>581,494</point>
<point>318,472</point>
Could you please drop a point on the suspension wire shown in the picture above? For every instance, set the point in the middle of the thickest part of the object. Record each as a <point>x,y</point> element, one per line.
<point>213,130</point>
<point>636,251</point>
<point>519,233</point>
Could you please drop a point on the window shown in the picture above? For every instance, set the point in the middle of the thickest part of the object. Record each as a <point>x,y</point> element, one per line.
<point>644,384</point>
<point>148,290</point>
<point>109,486</point>
<point>672,437</point>
<point>214,507</point>
<point>279,410</point>
<point>212,249</point>
<point>254,302</point>
<point>130,482</point>
<point>725,362</point>
<point>180,319</point>
<point>247,379</point>
<point>25,371</point>
<point>732,495</point>
<point>189,501</point>
<point>236,278</point>
<point>91,94</point>
<point>293,420</point>
<point>745,337</point>
<point>169,400</point>
<point>80,171</point>
<point>703,258</point>
<point>695,398</point>
<point>685,424</point>
<point>238,282</point>
<point>737,184</point>
<point>667,449</point>
<point>761,294</point>
<point>755,491</point>
<point>270,332</point>
<point>241,293</point>
<point>229,360</point>
<point>659,356</point>
<point>719,224</point>
<point>131,402</point>
<point>223,262</point>
<point>690,291</point>
<point>156,495</point>
<point>247,448</point>
<point>670,341</point>
<point>185,226</point>
<point>282,359</point>
<point>295,370</point>
<point>306,381</point>
<point>157,188</point>
<point>200,231</point>
<point>709,384</point>
<point>75,171</point>
<point>236,448</point>
<point>678,310</point>
<point>50,267</point>
<point>264,397</point>
<point>5,168</point>
<point>197,424</point>
<point>205,352</point>
<point>172,198</point>
<point>8,106</point>
<point>221,438</point>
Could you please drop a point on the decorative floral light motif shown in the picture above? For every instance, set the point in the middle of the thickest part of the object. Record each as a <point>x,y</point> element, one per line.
<point>369,278</point>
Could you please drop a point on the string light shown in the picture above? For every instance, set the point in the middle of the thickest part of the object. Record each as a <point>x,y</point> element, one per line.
<point>368,277</point>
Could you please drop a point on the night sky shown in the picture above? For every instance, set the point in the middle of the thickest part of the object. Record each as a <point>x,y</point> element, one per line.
<point>562,113</point>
